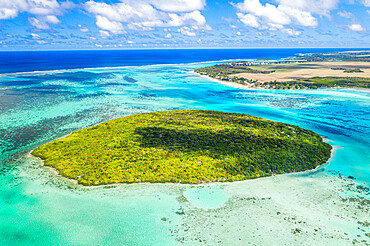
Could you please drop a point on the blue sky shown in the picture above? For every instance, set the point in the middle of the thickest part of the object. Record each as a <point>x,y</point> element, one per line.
<point>112,24</point>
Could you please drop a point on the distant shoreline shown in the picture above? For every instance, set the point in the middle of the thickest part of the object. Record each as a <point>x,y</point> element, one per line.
<point>291,75</point>
<point>241,86</point>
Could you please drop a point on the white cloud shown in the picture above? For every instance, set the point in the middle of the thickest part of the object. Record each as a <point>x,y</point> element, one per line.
<point>248,19</point>
<point>303,18</point>
<point>322,7</point>
<point>45,11</point>
<point>147,14</point>
<point>68,5</point>
<point>51,19</point>
<point>99,45</point>
<point>82,29</point>
<point>286,13</point>
<point>169,35</point>
<point>291,32</point>
<point>238,33</point>
<point>104,34</point>
<point>366,3</point>
<point>8,13</point>
<point>112,26</point>
<point>202,28</point>
<point>11,8</point>
<point>274,27</point>
<point>179,5</point>
<point>186,31</point>
<point>192,18</point>
<point>43,7</point>
<point>37,23</point>
<point>35,36</point>
<point>269,12</point>
<point>42,22</point>
<point>227,19</point>
<point>356,28</point>
<point>345,14</point>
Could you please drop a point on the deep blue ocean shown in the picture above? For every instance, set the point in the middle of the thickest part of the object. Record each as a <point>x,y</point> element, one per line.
<point>77,89</point>
<point>28,61</point>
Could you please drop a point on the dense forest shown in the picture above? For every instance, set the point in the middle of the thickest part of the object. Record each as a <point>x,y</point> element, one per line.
<point>186,146</point>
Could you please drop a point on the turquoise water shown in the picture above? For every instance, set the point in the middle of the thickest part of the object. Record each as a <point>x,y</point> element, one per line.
<point>206,197</point>
<point>36,208</point>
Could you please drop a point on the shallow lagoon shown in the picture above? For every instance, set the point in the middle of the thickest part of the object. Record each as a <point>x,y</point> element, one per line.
<point>320,207</point>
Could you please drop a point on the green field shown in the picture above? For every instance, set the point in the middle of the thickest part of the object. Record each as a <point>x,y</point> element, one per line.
<point>187,146</point>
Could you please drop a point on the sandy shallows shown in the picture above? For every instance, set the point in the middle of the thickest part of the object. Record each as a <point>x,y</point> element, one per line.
<point>298,209</point>
<point>295,71</point>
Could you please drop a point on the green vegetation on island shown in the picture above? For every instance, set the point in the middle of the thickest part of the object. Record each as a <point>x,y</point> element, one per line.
<point>225,69</point>
<point>305,72</point>
<point>348,70</point>
<point>187,146</point>
<point>310,83</point>
<point>355,70</point>
<point>318,82</point>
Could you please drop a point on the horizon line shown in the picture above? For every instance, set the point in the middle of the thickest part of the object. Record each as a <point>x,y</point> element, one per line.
<point>186,48</point>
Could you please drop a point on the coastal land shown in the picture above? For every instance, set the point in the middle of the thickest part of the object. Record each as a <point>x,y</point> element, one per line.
<point>341,69</point>
<point>183,146</point>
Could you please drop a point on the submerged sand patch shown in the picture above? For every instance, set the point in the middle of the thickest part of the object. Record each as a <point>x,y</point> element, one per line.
<point>297,209</point>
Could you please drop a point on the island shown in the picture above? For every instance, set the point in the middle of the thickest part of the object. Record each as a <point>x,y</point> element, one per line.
<point>183,146</point>
<point>338,69</point>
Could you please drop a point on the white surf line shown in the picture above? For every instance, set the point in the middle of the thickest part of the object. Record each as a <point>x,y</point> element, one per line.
<point>120,67</point>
